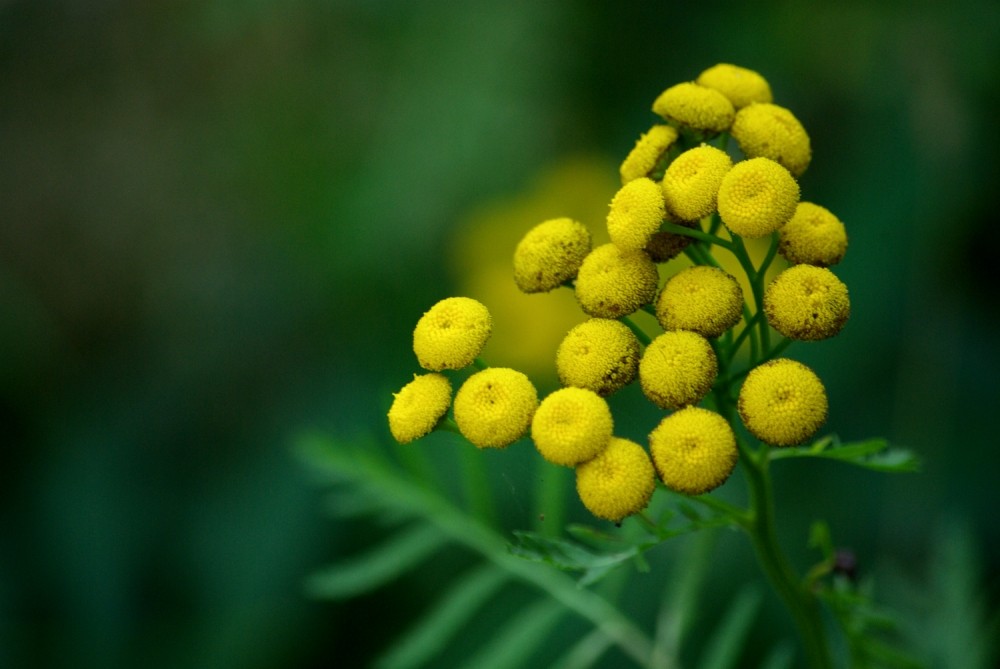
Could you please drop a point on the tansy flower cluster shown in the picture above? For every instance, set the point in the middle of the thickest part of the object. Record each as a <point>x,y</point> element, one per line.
<point>719,166</point>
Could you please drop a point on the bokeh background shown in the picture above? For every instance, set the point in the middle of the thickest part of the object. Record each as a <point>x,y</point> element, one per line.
<point>219,221</point>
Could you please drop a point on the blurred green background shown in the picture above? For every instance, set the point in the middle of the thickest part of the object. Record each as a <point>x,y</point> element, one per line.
<point>219,221</point>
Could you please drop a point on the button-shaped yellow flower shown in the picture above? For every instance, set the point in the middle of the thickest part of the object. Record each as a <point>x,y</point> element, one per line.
<point>614,282</point>
<point>677,369</point>
<point>757,197</point>
<point>650,148</point>
<point>807,303</point>
<point>696,107</point>
<point>814,236</point>
<point>452,333</point>
<point>770,131</point>
<point>702,299</point>
<point>691,182</point>
<point>740,85</point>
<point>418,407</point>
<point>617,483</point>
<point>493,408</point>
<point>599,354</point>
<point>694,450</point>
<point>571,425</point>
<point>636,213</point>
<point>782,402</point>
<point>549,254</point>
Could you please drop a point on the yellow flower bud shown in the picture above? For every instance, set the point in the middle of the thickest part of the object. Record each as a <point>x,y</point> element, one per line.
<point>701,299</point>
<point>648,151</point>
<point>696,107</point>
<point>694,450</point>
<point>807,303</point>
<point>740,85</point>
<point>677,369</point>
<point>571,425</point>
<point>769,131</point>
<point>782,402</point>
<point>617,483</point>
<point>613,282</point>
<point>636,213</point>
<point>599,354</point>
<point>757,197</point>
<point>691,182</point>
<point>814,236</point>
<point>550,254</point>
<point>418,407</point>
<point>493,408</point>
<point>451,334</point>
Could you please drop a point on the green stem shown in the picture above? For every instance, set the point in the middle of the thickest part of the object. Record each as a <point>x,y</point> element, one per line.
<point>636,330</point>
<point>695,233</point>
<point>802,605</point>
<point>756,285</point>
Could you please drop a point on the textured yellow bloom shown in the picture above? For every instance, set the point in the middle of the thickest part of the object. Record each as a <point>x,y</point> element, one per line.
<point>691,182</point>
<point>493,408</point>
<point>814,236</point>
<point>677,369</point>
<point>740,85</point>
<point>452,333</point>
<point>807,303</point>
<point>769,131</point>
<point>418,407</point>
<point>572,425</point>
<point>617,483</point>
<point>694,450</point>
<point>636,213</point>
<point>648,151</point>
<point>701,299</point>
<point>782,402</point>
<point>613,282</point>
<point>757,197</point>
<point>696,107</point>
<point>599,354</point>
<point>550,254</point>
<point>664,246</point>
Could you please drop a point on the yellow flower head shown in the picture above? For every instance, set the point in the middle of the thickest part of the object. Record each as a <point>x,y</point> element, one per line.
<point>572,425</point>
<point>696,107</point>
<point>769,131</point>
<point>648,151</point>
<point>677,369</point>
<point>664,246</point>
<point>702,299</point>
<point>614,282</point>
<point>599,354</point>
<point>617,483</point>
<point>451,334</point>
<point>782,402</point>
<point>550,254</point>
<point>493,408</point>
<point>807,303</point>
<point>814,236</point>
<point>418,407</point>
<point>740,85</point>
<point>694,450</point>
<point>636,213</point>
<point>691,182</point>
<point>757,197</point>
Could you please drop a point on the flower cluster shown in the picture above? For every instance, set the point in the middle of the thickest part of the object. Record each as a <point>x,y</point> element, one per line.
<point>685,194</point>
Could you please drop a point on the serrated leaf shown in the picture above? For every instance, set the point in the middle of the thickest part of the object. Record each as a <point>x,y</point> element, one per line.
<point>569,556</point>
<point>875,454</point>
<point>726,642</point>
<point>362,573</point>
<point>437,626</point>
<point>522,634</point>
